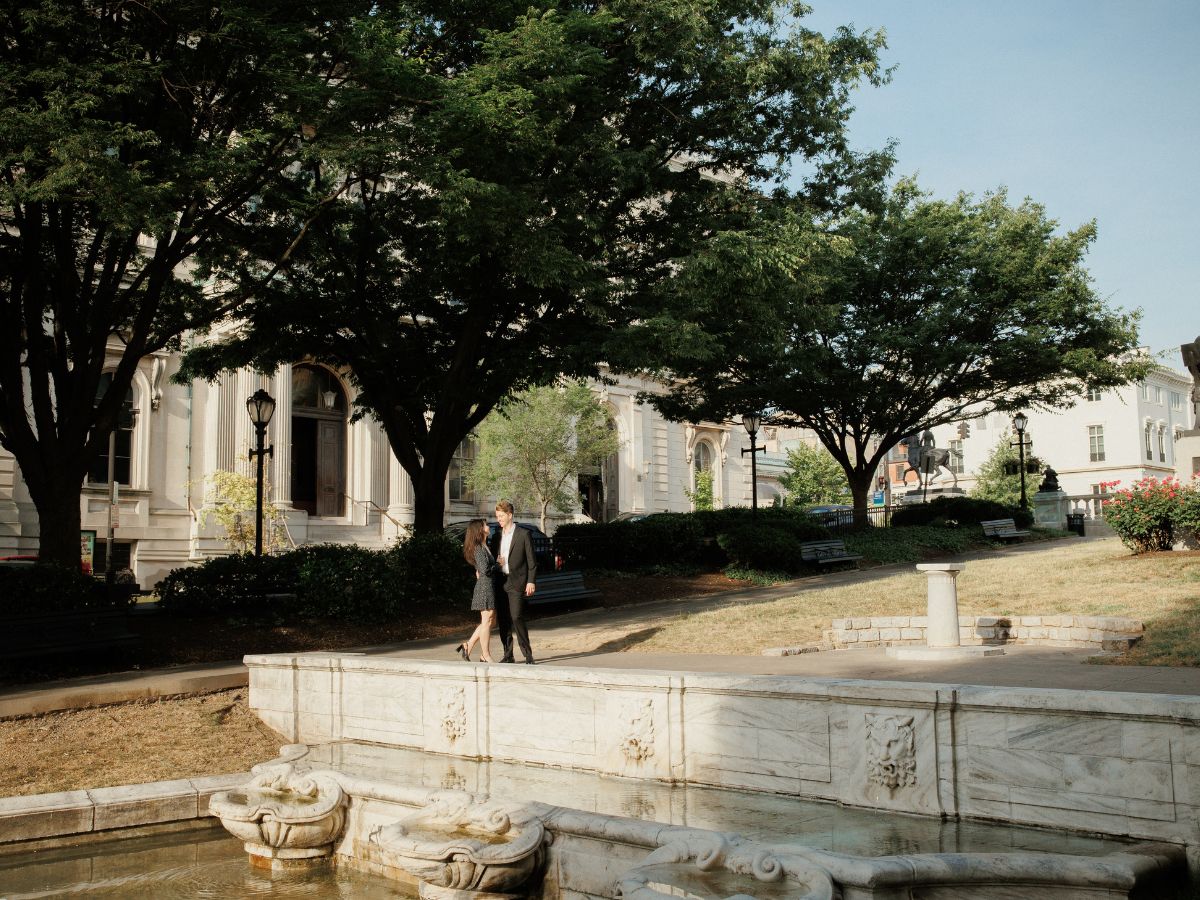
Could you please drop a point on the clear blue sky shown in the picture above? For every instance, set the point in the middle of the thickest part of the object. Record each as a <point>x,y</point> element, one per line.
<point>1090,107</point>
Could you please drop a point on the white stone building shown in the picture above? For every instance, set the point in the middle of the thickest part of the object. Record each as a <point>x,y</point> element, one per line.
<point>336,480</point>
<point>1118,435</point>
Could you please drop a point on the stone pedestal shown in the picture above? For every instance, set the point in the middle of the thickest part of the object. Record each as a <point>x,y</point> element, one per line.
<point>1050,509</point>
<point>941,636</point>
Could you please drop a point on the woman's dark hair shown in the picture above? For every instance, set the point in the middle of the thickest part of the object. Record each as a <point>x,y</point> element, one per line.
<point>475,535</point>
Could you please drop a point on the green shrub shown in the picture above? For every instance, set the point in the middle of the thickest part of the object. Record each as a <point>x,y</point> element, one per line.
<point>231,584</point>
<point>963,510</point>
<point>26,590</point>
<point>324,580</point>
<point>673,539</point>
<point>762,546</point>
<point>1145,515</point>
<point>911,544</point>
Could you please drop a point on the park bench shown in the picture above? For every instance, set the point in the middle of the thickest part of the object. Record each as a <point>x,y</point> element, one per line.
<point>560,587</point>
<point>56,633</point>
<point>1004,529</point>
<point>824,553</point>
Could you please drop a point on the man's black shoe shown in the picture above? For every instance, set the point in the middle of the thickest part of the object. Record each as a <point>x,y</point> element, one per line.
<point>529,662</point>
<point>507,659</point>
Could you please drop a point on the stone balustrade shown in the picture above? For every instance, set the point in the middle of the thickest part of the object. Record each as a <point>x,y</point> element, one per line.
<point>1099,633</point>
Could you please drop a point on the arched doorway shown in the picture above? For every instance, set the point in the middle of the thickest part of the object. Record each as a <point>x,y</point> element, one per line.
<point>319,408</point>
<point>600,487</point>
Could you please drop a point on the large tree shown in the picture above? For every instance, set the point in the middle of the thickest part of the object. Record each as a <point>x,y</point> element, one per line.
<point>136,137</point>
<point>920,312</point>
<point>532,449</point>
<point>540,170</point>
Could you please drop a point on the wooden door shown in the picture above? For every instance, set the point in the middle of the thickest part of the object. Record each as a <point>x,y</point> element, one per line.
<point>329,467</point>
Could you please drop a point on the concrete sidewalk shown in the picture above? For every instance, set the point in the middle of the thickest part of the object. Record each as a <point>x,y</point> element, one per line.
<point>1021,666</point>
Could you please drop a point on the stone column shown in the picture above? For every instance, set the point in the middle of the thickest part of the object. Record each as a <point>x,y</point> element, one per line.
<point>941,630</point>
<point>281,437</point>
<point>942,603</point>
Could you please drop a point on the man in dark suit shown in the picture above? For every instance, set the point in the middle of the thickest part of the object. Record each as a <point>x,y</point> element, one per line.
<point>513,550</point>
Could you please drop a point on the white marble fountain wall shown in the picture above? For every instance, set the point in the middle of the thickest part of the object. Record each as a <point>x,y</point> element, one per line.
<point>1113,763</point>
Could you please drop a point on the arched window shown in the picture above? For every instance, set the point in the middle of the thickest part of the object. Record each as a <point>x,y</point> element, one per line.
<point>319,408</point>
<point>122,443</point>
<point>702,457</point>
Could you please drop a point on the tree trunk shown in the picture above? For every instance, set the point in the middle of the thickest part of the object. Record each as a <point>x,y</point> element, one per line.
<point>59,521</point>
<point>860,490</point>
<point>429,500</point>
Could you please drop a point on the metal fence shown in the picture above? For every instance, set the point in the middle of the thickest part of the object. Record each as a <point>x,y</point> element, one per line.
<point>842,521</point>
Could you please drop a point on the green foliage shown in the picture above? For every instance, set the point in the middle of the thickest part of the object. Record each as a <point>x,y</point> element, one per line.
<point>1146,515</point>
<point>702,496</point>
<point>921,312</point>
<point>999,478</point>
<point>31,590</point>
<point>756,576</point>
<point>762,547</point>
<point>324,580</point>
<point>813,477</point>
<point>136,145</point>
<point>960,510</point>
<point>532,449</point>
<point>913,544</point>
<point>535,178</point>
<point>1187,519</point>
<point>672,539</point>
<point>232,499</point>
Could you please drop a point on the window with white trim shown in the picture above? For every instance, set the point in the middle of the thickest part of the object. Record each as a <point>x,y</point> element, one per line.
<point>1093,394</point>
<point>1158,395</point>
<point>1176,400</point>
<point>1162,443</point>
<point>1149,431</point>
<point>122,442</point>
<point>1145,390</point>
<point>460,463</point>
<point>1096,443</point>
<point>955,462</point>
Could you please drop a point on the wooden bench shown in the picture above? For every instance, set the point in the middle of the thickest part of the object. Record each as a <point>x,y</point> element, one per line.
<point>56,633</point>
<point>1004,529</point>
<point>559,587</point>
<point>824,553</point>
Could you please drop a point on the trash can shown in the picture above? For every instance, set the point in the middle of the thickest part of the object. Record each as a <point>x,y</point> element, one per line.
<point>1075,523</point>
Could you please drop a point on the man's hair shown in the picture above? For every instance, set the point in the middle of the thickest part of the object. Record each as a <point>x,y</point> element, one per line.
<point>505,505</point>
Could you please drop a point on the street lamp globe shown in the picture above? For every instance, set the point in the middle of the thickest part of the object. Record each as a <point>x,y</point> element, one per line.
<point>1020,420</point>
<point>261,406</point>
<point>751,421</point>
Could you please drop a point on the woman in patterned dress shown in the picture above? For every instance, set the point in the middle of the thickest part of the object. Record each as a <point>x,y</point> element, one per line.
<point>476,552</point>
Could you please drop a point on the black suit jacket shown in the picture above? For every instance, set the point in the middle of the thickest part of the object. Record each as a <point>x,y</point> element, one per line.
<point>522,564</point>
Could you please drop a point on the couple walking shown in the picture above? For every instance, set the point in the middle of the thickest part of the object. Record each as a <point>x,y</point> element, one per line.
<point>506,572</point>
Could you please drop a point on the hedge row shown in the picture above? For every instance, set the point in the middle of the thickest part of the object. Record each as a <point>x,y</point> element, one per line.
<point>734,536</point>
<point>29,590</point>
<point>961,510</point>
<point>325,580</point>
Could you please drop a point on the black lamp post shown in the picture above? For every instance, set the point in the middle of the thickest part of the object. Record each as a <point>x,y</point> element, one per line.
<point>751,422</point>
<point>1020,421</point>
<point>260,406</point>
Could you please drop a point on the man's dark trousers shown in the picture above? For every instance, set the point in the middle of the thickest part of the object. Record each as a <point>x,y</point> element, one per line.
<point>511,622</point>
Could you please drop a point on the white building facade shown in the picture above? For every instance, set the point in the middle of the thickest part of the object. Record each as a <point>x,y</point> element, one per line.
<point>336,480</point>
<point>1120,435</point>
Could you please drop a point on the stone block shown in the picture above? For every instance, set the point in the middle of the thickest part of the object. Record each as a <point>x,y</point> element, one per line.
<point>1079,633</point>
<point>889,634</point>
<point>986,632</point>
<point>143,804</point>
<point>839,624</point>
<point>871,634</point>
<point>45,815</point>
<point>860,624</point>
<point>1031,620</point>
<point>912,634</point>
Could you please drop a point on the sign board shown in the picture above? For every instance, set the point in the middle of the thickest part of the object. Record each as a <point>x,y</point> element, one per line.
<point>877,498</point>
<point>114,517</point>
<point>87,551</point>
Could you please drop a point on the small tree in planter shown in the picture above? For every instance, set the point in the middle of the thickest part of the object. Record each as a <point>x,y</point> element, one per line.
<point>1145,515</point>
<point>231,498</point>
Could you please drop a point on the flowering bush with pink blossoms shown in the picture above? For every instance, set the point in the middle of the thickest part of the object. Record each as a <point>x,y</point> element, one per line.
<point>1147,516</point>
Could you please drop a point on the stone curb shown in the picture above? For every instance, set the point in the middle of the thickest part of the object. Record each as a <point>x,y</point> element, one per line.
<point>105,690</point>
<point>71,813</point>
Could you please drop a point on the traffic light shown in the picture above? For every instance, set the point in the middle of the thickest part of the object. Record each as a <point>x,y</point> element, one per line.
<point>964,430</point>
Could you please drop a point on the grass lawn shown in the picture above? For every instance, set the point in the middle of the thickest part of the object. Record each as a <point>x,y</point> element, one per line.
<point>1078,577</point>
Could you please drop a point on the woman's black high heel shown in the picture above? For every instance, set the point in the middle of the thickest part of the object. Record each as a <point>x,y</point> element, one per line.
<point>462,651</point>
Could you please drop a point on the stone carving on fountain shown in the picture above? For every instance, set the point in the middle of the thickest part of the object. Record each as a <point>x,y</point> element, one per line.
<point>637,740</point>
<point>283,814</point>
<point>891,751</point>
<point>454,713</point>
<point>464,846</point>
<point>714,865</point>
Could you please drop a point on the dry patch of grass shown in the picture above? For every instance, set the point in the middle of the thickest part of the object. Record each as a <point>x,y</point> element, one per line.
<point>1094,578</point>
<point>133,743</point>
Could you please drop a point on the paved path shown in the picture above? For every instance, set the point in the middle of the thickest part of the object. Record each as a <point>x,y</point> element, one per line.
<point>588,638</point>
